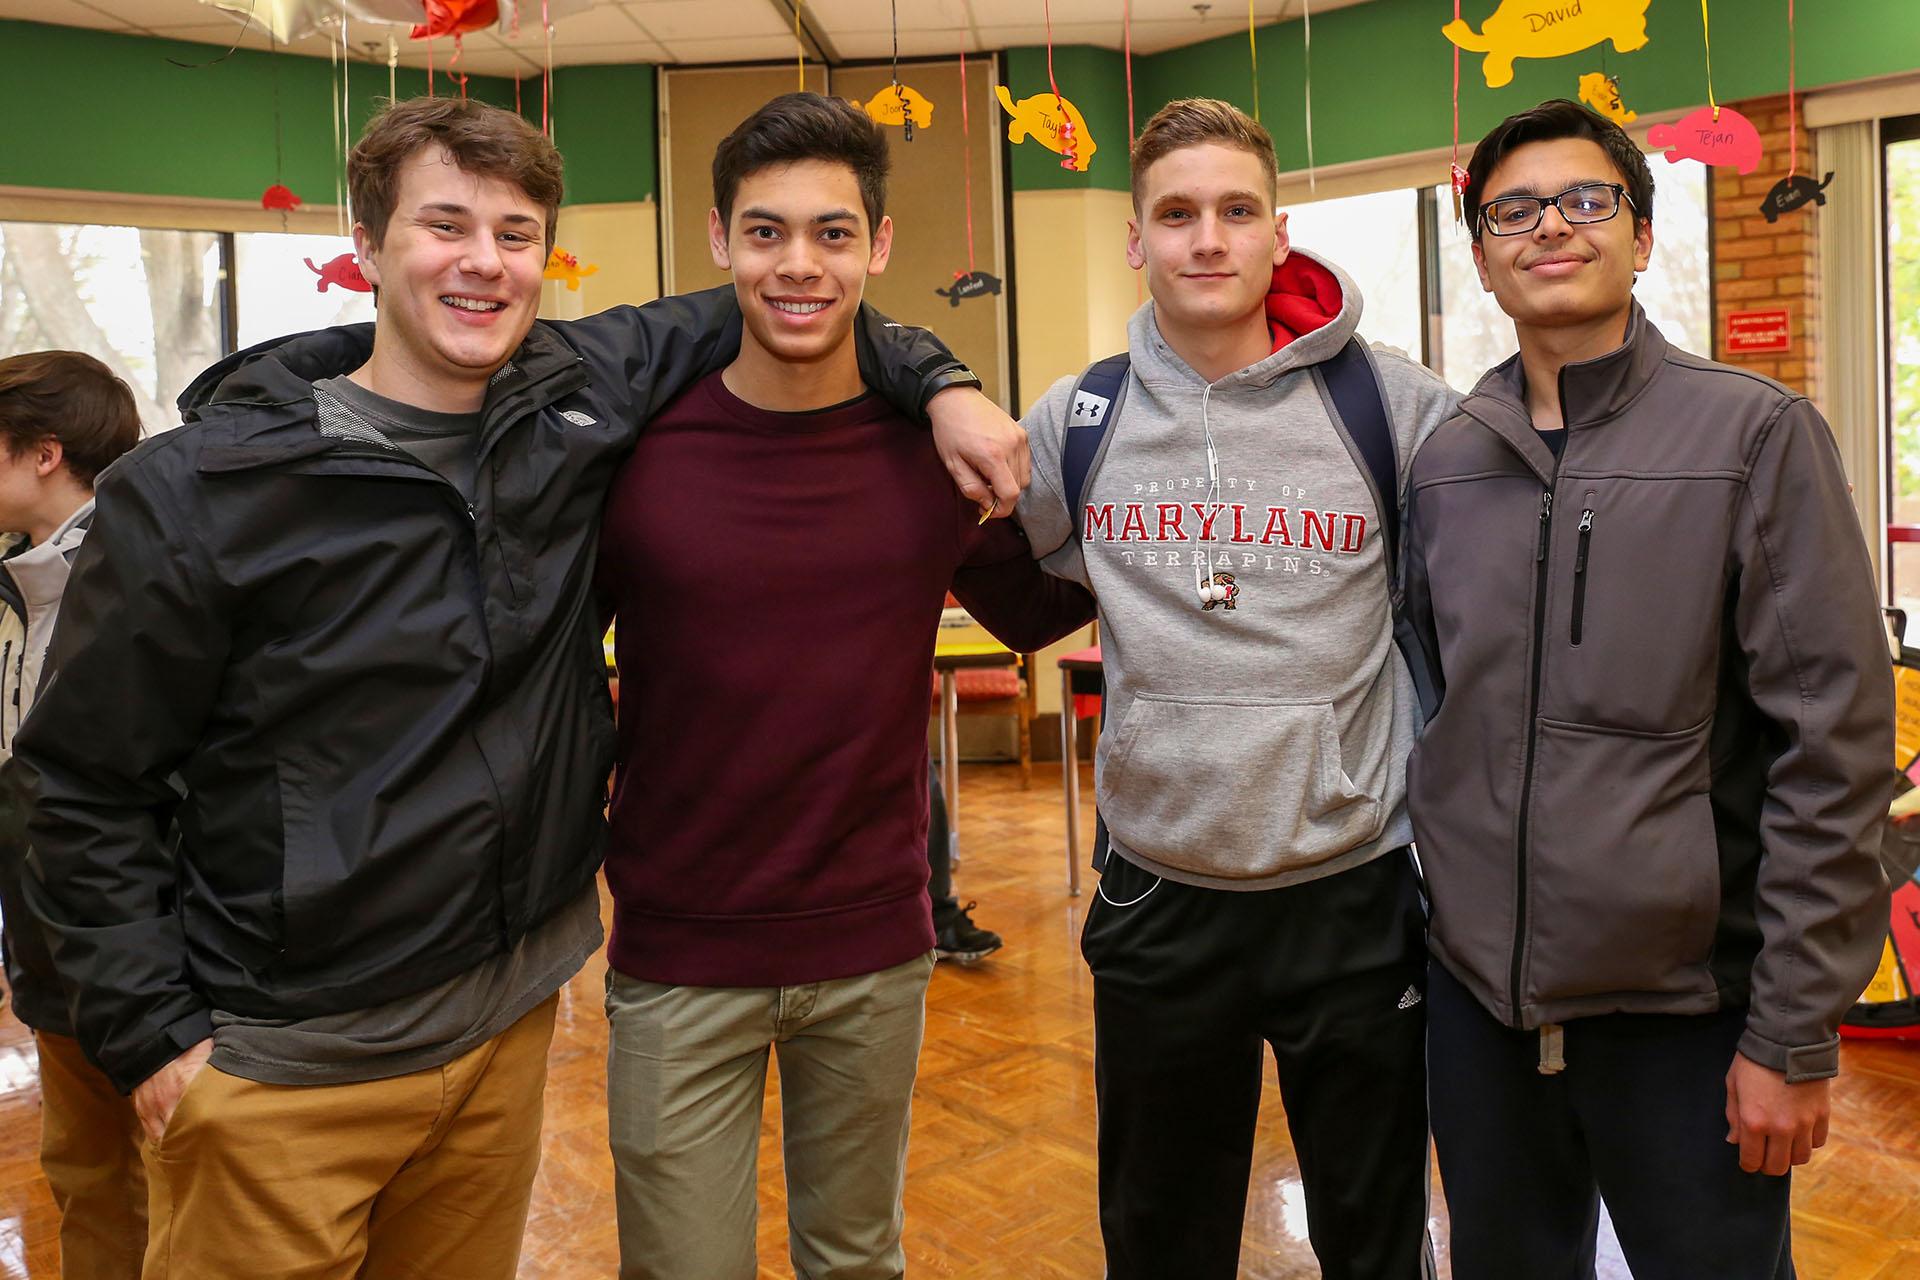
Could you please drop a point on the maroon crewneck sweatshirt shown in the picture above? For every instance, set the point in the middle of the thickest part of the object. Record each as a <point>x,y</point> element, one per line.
<point>777,580</point>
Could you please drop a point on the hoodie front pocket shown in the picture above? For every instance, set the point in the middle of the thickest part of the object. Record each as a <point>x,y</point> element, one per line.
<point>1233,788</point>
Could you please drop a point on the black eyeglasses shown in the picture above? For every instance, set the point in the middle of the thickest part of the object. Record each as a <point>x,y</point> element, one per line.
<point>1519,215</point>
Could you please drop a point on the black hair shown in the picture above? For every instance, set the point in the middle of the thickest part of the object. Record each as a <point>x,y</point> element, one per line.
<point>804,126</point>
<point>1554,119</point>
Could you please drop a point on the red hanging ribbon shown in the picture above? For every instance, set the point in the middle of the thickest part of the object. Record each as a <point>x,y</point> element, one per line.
<point>1070,151</point>
<point>1456,176</point>
<point>1793,108</point>
<point>1126,37</point>
<point>546,75</point>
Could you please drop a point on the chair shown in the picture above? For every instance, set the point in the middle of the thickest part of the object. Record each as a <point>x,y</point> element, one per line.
<point>999,691</point>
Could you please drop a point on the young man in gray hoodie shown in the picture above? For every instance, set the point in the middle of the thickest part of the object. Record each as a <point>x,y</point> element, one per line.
<point>1649,803</point>
<point>1256,884</point>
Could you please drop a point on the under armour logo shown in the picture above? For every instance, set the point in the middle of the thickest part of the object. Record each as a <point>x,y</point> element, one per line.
<point>1409,998</point>
<point>1089,410</point>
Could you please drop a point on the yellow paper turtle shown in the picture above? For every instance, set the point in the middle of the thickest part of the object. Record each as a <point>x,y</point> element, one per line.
<point>1549,29</point>
<point>1042,117</point>
<point>1602,92</point>
<point>887,107</point>
<point>562,265</point>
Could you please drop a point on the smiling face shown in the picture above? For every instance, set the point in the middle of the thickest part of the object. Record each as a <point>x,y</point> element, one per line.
<point>458,272</point>
<point>800,251</point>
<point>1207,235</point>
<point>1561,274</point>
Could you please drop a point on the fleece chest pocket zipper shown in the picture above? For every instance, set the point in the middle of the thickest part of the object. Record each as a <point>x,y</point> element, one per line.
<point>1580,572</point>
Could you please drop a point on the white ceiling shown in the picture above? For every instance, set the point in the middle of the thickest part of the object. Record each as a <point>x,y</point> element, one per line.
<point>707,31</point>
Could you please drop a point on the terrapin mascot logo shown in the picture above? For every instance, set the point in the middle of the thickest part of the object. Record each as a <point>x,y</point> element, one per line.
<point>1233,592</point>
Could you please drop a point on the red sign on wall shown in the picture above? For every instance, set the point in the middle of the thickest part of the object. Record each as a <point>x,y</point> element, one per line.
<point>1756,332</point>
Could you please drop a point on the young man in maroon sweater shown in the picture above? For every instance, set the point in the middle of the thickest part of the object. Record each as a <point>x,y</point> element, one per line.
<point>777,552</point>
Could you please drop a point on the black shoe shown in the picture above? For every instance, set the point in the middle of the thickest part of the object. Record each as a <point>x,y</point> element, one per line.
<point>956,937</point>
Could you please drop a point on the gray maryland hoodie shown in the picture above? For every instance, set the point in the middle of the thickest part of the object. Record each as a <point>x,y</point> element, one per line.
<point>1260,741</point>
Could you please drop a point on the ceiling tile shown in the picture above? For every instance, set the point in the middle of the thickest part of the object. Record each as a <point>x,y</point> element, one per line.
<point>669,21</point>
<point>836,16</point>
<point>60,13</point>
<point>913,44</point>
<point>602,24</point>
<point>1104,34</point>
<point>731,49</point>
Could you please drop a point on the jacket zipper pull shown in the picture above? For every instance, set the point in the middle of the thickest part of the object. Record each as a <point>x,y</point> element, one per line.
<point>1546,515</point>
<point>1586,533</point>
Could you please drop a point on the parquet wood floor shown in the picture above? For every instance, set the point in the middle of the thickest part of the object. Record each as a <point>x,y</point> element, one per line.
<point>1001,1183</point>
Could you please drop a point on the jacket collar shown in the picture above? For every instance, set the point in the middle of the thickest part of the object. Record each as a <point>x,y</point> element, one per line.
<point>1591,391</point>
<point>258,409</point>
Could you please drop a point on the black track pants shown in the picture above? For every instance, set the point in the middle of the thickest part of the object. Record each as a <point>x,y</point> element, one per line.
<point>1188,985</point>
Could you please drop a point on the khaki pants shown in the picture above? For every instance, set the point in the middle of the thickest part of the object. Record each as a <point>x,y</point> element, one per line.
<point>90,1144</point>
<point>686,1073</point>
<point>425,1175</point>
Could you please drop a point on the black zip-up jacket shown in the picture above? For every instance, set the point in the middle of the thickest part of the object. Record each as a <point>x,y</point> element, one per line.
<point>388,708</point>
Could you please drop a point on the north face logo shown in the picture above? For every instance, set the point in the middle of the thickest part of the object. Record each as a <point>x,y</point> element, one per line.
<point>1089,410</point>
<point>578,418</point>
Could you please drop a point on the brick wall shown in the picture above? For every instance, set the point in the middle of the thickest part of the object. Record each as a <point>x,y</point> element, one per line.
<point>1762,265</point>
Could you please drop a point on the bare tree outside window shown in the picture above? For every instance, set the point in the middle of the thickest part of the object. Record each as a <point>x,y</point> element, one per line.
<point>143,301</point>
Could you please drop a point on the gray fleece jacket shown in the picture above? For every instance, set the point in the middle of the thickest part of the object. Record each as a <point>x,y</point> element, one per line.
<point>1259,741</point>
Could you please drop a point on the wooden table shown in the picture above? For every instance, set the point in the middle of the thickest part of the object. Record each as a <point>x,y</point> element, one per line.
<point>948,657</point>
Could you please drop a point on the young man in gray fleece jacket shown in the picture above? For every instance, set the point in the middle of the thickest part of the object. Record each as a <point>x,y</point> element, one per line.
<point>1252,778</point>
<point>1650,801</point>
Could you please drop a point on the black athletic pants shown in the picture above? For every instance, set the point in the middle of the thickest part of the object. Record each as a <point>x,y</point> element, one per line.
<point>1188,984</point>
<point>1638,1116</point>
<point>939,849</point>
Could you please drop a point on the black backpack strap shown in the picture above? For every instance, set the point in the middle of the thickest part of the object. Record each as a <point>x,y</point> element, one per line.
<point>1095,404</point>
<point>1356,395</point>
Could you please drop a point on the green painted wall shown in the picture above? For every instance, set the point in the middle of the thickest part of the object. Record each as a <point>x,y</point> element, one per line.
<point>1382,72</point>
<point>608,126</point>
<point>129,121</point>
<point>1093,80</point>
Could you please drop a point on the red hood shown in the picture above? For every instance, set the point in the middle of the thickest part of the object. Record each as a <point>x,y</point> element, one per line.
<point>1304,296</point>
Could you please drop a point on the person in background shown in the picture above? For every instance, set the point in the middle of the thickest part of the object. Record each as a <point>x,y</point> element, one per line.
<point>64,418</point>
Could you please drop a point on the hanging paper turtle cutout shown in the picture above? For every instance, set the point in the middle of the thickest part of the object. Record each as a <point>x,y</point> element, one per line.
<point>1602,92</point>
<point>1548,29</point>
<point>1054,123</point>
<point>562,265</point>
<point>1711,135</point>
<point>900,105</point>
<point>970,284</point>
<point>343,270</point>
<point>278,197</point>
<point>1791,193</point>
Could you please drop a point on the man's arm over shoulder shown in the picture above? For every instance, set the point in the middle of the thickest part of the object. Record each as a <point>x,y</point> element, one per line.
<point>134,667</point>
<point>644,356</point>
<point>1043,513</point>
<point>1808,621</point>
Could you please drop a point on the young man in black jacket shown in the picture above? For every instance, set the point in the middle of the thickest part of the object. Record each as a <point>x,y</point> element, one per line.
<point>63,417</point>
<point>339,630</point>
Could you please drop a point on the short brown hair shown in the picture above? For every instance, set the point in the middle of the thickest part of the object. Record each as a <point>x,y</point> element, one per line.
<point>72,398</point>
<point>1189,122</point>
<point>805,126</point>
<point>483,140</point>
